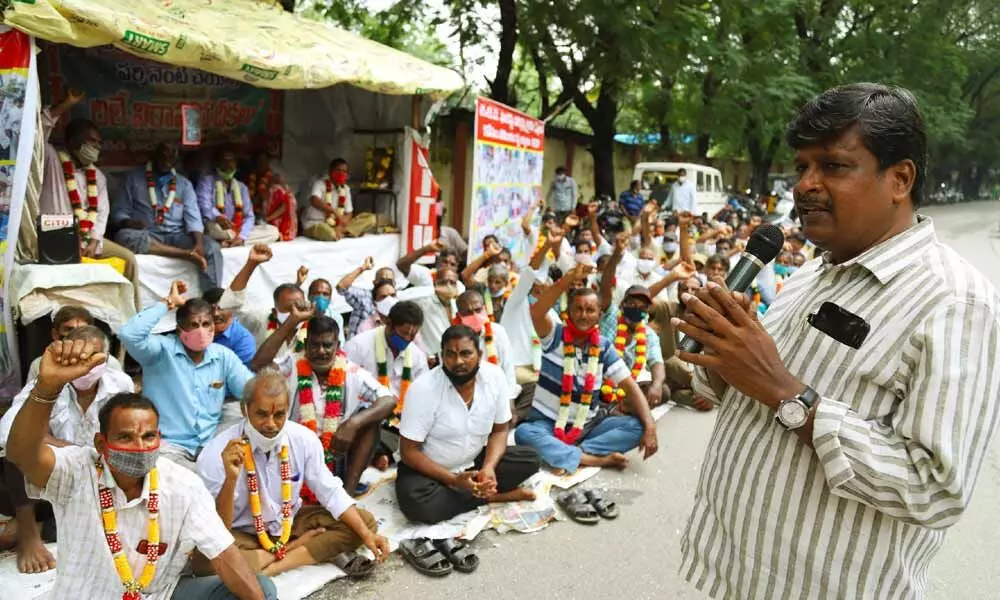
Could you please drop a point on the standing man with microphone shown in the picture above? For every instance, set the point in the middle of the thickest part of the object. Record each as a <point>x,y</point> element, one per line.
<point>856,415</point>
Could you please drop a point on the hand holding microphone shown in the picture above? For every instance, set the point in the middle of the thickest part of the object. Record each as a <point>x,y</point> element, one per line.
<point>763,246</point>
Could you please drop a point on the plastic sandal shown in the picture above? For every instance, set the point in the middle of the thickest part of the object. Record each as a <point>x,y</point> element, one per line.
<point>425,558</point>
<point>576,506</point>
<point>355,565</point>
<point>459,554</point>
<point>605,508</point>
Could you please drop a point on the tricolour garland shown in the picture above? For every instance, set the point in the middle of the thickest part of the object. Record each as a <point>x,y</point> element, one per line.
<point>159,210</point>
<point>608,390</point>
<point>341,200</point>
<point>382,367</point>
<point>333,411</point>
<point>109,518</point>
<point>86,219</point>
<point>488,303</point>
<point>253,485</point>
<point>220,202</point>
<point>569,383</point>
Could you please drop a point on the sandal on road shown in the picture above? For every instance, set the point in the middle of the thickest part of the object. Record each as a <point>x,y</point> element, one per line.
<point>425,558</point>
<point>605,508</point>
<point>459,554</point>
<point>576,506</point>
<point>355,565</point>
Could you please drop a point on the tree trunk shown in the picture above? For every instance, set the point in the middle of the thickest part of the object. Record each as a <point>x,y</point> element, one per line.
<point>760,162</point>
<point>601,119</point>
<point>500,89</point>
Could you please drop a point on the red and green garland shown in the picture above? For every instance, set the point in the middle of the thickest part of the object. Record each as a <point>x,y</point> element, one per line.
<point>333,411</point>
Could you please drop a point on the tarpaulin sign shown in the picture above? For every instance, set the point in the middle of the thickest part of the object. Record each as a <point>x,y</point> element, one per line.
<point>421,194</point>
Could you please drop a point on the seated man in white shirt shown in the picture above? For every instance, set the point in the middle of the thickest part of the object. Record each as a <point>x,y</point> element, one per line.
<point>329,215</point>
<point>105,499</point>
<point>389,353</point>
<point>495,343</point>
<point>345,415</point>
<point>454,437</point>
<point>256,458</point>
<point>439,310</point>
<point>73,422</point>
<point>64,321</point>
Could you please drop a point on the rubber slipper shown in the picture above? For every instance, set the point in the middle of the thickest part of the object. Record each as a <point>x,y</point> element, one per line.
<point>355,565</point>
<point>576,506</point>
<point>605,508</point>
<point>459,554</point>
<point>425,558</point>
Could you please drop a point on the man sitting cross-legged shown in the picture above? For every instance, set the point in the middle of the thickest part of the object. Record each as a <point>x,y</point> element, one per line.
<point>127,520</point>
<point>258,470</point>
<point>73,421</point>
<point>340,401</point>
<point>565,425</point>
<point>454,437</point>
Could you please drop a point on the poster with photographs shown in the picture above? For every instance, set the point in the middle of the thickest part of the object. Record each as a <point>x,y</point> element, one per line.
<point>507,175</point>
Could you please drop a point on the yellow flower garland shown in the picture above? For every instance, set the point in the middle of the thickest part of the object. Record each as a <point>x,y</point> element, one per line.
<point>109,518</point>
<point>253,485</point>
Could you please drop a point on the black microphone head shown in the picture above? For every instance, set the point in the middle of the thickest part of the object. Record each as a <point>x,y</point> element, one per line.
<point>766,242</point>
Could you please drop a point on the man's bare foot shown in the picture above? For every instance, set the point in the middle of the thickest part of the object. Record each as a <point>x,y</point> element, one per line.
<point>33,556</point>
<point>8,535</point>
<point>305,537</point>
<point>198,260</point>
<point>515,495</point>
<point>615,460</point>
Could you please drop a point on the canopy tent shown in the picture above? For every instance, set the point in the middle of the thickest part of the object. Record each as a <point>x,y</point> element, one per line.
<point>246,40</point>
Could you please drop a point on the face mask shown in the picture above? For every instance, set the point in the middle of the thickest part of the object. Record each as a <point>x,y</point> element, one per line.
<point>532,299</point>
<point>163,180</point>
<point>338,178</point>
<point>259,441</point>
<point>645,265</point>
<point>460,380</point>
<point>197,339</point>
<point>634,315</point>
<point>681,179</point>
<point>671,247</point>
<point>398,343</point>
<point>281,316</point>
<point>87,381</point>
<point>781,270</point>
<point>560,178</point>
<point>88,154</point>
<point>584,259</point>
<point>578,333</point>
<point>134,463</point>
<point>322,303</point>
<point>384,305</point>
<point>226,175</point>
<point>792,270</point>
<point>475,321</point>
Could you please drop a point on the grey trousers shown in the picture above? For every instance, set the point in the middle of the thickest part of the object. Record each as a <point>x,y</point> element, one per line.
<point>137,240</point>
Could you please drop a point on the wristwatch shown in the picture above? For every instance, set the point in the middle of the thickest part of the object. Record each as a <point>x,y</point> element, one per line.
<point>794,412</point>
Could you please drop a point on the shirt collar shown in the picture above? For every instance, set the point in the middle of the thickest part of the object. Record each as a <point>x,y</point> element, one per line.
<point>889,258</point>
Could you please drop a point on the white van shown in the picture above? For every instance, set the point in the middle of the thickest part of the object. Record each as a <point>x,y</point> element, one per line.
<point>657,178</point>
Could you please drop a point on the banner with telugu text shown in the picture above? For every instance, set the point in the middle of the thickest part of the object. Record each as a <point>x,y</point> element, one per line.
<point>18,107</point>
<point>136,103</point>
<point>506,175</point>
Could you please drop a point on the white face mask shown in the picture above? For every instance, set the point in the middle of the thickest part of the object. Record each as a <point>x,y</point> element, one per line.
<point>258,440</point>
<point>282,317</point>
<point>384,305</point>
<point>681,179</point>
<point>561,178</point>
<point>645,265</point>
<point>584,259</point>
<point>671,247</point>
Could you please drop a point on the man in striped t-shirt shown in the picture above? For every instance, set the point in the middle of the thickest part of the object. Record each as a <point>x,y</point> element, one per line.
<point>604,438</point>
<point>879,361</point>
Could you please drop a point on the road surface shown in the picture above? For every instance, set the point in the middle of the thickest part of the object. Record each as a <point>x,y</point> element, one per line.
<point>638,555</point>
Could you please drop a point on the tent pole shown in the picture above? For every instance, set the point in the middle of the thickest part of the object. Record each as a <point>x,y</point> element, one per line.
<point>415,112</point>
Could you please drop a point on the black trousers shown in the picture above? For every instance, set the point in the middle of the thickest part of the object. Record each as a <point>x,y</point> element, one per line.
<point>429,501</point>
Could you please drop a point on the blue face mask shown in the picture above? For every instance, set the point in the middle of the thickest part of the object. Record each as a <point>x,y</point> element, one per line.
<point>322,303</point>
<point>163,180</point>
<point>398,343</point>
<point>634,315</point>
<point>792,270</point>
<point>782,270</point>
<point>532,299</point>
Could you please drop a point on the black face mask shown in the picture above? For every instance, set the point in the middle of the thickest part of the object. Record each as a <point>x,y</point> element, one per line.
<point>460,380</point>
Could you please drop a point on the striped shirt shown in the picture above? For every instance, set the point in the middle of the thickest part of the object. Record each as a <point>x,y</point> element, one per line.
<point>549,386</point>
<point>900,433</point>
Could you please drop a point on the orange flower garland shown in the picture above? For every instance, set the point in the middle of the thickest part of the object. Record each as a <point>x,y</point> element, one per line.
<point>85,220</point>
<point>608,391</point>
<point>109,519</point>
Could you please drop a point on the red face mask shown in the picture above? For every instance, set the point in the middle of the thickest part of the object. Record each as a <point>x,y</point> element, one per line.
<point>338,177</point>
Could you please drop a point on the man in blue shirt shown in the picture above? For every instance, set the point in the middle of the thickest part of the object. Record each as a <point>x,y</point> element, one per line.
<point>229,332</point>
<point>185,375</point>
<point>172,226</point>
<point>631,199</point>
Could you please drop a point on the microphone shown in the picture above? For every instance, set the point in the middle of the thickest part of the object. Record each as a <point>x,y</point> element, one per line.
<point>765,244</point>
